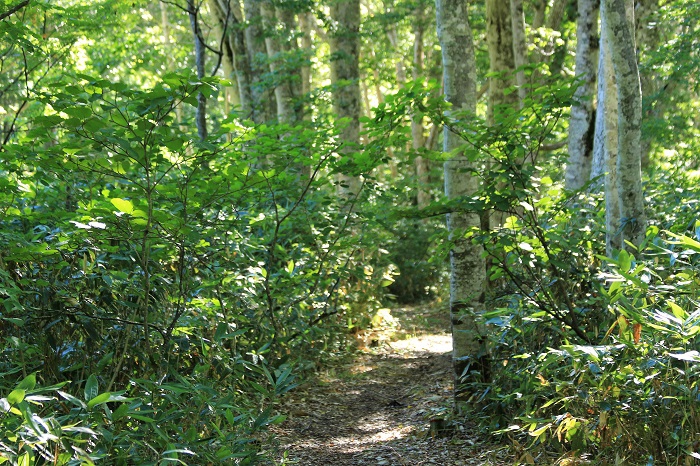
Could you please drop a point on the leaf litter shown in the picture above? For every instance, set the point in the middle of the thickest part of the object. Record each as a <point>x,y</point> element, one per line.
<point>378,408</point>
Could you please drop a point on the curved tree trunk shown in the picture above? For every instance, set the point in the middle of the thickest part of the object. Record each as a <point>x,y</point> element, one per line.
<point>467,268</point>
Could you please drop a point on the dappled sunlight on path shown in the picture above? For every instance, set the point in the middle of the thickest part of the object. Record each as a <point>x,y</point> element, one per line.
<point>376,409</point>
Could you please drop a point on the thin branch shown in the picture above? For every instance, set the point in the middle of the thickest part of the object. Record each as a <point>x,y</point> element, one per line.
<point>14,9</point>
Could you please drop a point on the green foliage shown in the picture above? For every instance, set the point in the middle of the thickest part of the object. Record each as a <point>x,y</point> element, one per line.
<point>591,355</point>
<point>190,274</point>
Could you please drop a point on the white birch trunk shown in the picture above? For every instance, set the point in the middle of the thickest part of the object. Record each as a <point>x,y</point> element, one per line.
<point>619,26</point>
<point>581,123</point>
<point>467,268</point>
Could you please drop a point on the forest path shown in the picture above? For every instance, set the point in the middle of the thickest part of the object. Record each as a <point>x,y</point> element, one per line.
<point>375,409</point>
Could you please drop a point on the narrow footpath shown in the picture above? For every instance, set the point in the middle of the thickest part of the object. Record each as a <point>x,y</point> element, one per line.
<point>386,405</point>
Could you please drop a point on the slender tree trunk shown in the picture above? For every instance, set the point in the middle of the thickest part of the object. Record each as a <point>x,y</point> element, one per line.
<point>648,39</point>
<point>229,19</point>
<point>282,89</point>
<point>467,268</point>
<point>201,117</point>
<point>289,44</point>
<point>619,25</point>
<point>540,10</point>
<point>582,122</point>
<point>606,140</point>
<point>165,24</point>
<point>499,36</point>
<point>519,47</point>
<point>262,97</point>
<point>345,77</point>
<point>556,14</point>
<point>307,47</point>
<point>417,129</point>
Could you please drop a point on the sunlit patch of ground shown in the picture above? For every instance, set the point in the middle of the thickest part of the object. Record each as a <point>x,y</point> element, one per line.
<point>438,344</point>
<point>375,410</point>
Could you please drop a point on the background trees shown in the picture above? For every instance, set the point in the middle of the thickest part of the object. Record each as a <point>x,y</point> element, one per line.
<point>174,244</point>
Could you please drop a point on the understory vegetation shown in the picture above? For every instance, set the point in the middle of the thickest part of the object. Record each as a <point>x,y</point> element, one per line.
<point>161,291</point>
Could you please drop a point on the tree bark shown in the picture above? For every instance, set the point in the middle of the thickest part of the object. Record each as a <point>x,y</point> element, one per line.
<point>417,128</point>
<point>345,77</point>
<point>648,38</point>
<point>619,25</point>
<point>201,116</point>
<point>605,144</point>
<point>262,97</point>
<point>235,56</point>
<point>282,88</point>
<point>517,15</point>
<point>467,267</point>
<point>499,36</point>
<point>582,121</point>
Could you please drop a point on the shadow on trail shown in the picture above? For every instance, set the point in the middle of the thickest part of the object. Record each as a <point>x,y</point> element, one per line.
<point>377,411</point>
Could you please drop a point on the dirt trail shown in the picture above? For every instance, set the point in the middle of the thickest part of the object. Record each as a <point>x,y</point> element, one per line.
<point>376,409</point>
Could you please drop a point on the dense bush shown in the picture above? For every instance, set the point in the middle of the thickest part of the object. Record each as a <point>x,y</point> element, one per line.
<point>183,278</point>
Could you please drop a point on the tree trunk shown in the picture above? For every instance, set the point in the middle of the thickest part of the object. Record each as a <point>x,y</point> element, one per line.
<point>282,88</point>
<point>345,77</point>
<point>467,268</point>
<point>540,7</point>
<point>499,36</point>
<point>417,128</point>
<point>290,46</point>
<point>517,15</point>
<point>262,97</point>
<point>236,61</point>
<point>201,117</point>
<point>606,140</point>
<point>648,39</point>
<point>620,29</point>
<point>582,122</point>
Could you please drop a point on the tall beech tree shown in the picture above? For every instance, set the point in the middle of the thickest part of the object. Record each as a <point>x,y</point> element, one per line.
<point>467,268</point>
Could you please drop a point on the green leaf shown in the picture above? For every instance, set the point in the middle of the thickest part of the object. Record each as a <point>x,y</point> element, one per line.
<point>16,396</point>
<point>91,388</point>
<point>28,383</point>
<point>99,399</point>
<point>123,205</point>
<point>78,112</point>
<point>677,310</point>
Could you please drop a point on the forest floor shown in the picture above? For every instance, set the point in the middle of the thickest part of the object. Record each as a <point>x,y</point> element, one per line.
<point>377,408</point>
